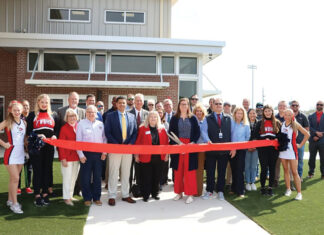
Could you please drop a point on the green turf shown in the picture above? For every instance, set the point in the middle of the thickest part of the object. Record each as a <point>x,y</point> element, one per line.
<point>57,218</point>
<point>284,215</point>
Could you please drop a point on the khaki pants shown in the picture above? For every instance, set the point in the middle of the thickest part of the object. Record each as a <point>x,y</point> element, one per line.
<point>116,162</point>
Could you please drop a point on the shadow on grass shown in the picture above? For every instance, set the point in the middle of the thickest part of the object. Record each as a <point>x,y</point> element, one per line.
<point>56,209</point>
<point>255,204</point>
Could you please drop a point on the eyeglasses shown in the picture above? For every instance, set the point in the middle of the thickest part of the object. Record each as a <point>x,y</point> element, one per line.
<point>218,103</point>
<point>130,99</point>
<point>294,105</point>
<point>319,104</point>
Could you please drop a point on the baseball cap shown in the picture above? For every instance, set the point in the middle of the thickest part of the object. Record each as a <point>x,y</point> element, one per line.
<point>259,106</point>
<point>227,103</point>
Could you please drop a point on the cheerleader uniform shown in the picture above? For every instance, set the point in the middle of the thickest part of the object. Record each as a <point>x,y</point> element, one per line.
<point>292,152</point>
<point>42,161</point>
<point>15,154</point>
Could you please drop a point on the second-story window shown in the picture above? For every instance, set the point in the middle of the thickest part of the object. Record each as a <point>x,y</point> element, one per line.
<point>69,15</point>
<point>125,17</point>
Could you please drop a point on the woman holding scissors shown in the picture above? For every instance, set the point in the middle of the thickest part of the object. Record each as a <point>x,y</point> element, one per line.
<point>185,128</point>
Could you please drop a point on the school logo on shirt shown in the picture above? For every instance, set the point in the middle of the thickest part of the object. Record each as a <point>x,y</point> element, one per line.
<point>268,129</point>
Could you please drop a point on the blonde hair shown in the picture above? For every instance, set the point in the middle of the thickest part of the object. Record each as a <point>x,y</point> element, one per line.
<point>294,124</point>
<point>42,96</point>
<point>245,118</point>
<point>68,112</point>
<point>10,118</point>
<point>147,120</point>
<point>200,106</point>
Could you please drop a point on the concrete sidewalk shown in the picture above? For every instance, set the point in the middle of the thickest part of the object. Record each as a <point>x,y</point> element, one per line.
<point>168,217</point>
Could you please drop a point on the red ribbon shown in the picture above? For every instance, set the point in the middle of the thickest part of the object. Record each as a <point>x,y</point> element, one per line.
<point>158,149</point>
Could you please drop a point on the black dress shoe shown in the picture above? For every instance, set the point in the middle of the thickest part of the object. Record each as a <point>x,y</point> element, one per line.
<point>156,198</point>
<point>145,199</point>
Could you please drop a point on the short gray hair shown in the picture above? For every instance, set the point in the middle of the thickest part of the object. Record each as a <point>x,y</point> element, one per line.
<point>68,112</point>
<point>140,95</point>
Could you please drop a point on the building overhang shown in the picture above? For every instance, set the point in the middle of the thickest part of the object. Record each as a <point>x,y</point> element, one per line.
<point>208,49</point>
<point>97,84</point>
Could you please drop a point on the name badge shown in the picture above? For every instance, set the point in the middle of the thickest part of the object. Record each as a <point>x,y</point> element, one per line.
<point>147,133</point>
<point>220,135</point>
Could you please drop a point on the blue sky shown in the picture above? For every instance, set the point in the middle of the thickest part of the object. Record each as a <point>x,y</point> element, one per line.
<point>284,39</point>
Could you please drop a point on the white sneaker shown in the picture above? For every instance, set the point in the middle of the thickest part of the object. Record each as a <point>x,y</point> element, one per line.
<point>177,197</point>
<point>208,195</point>
<point>189,200</point>
<point>288,193</point>
<point>299,197</point>
<point>253,187</point>
<point>16,209</point>
<point>220,196</point>
<point>248,187</point>
<point>9,203</point>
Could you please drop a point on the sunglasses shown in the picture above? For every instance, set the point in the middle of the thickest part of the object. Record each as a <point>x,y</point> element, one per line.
<point>218,103</point>
<point>194,99</point>
<point>150,104</point>
<point>100,106</point>
<point>294,105</point>
<point>319,104</point>
<point>130,99</point>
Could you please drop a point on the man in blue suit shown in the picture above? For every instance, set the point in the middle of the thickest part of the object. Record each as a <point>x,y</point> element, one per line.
<point>120,128</point>
<point>316,140</point>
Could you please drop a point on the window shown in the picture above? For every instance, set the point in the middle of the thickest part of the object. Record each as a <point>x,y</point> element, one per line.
<point>187,88</point>
<point>32,58</point>
<point>2,108</point>
<point>133,64</point>
<point>66,62</point>
<point>56,104</point>
<point>125,17</point>
<point>100,63</point>
<point>72,15</point>
<point>80,15</point>
<point>59,14</point>
<point>188,65</point>
<point>115,16</point>
<point>167,64</point>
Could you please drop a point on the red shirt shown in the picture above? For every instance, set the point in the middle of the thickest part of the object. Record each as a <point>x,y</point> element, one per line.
<point>67,133</point>
<point>268,128</point>
<point>318,116</point>
<point>144,138</point>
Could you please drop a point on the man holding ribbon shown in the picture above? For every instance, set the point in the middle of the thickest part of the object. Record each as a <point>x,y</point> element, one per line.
<point>120,128</point>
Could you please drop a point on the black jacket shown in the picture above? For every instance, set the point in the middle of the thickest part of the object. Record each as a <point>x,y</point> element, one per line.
<point>194,136</point>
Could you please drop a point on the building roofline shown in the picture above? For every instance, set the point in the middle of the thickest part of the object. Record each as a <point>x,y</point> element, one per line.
<point>110,43</point>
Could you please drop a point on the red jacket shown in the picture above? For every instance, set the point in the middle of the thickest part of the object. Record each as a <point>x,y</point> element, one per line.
<point>67,133</point>
<point>144,138</point>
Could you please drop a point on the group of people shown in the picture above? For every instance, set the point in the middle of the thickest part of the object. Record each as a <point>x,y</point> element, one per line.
<point>128,123</point>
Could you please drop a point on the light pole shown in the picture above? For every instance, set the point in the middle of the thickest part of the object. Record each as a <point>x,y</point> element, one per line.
<point>252,67</point>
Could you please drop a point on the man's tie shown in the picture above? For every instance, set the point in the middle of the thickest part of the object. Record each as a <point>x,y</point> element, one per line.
<point>219,121</point>
<point>124,128</point>
<point>138,119</point>
<point>169,117</point>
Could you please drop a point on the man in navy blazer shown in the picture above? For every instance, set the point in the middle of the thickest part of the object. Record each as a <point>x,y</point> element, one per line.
<point>113,131</point>
<point>316,140</point>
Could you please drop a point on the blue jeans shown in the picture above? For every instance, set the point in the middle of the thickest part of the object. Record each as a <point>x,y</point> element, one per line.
<point>300,161</point>
<point>251,164</point>
<point>91,169</point>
